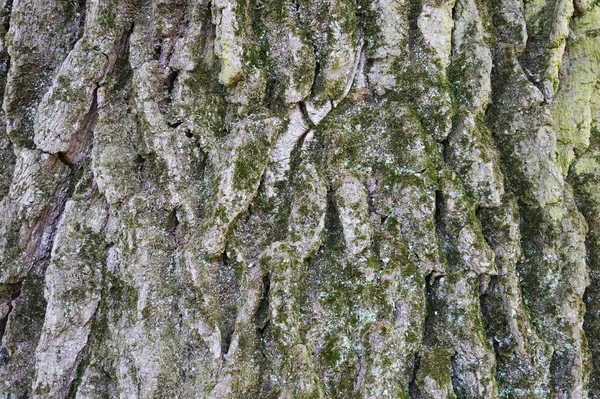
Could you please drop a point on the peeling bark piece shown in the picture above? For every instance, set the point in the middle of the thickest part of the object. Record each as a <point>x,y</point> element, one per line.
<point>74,281</point>
<point>228,42</point>
<point>390,43</point>
<point>238,167</point>
<point>470,150</point>
<point>22,332</point>
<point>472,154</point>
<point>65,114</point>
<point>287,275</point>
<point>472,55</point>
<point>333,27</point>
<point>351,200</point>
<point>33,206</point>
<point>523,357</point>
<point>580,74</point>
<point>548,29</point>
<point>585,177</point>
<point>307,217</point>
<point>460,342</point>
<point>526,140</point>
<point>435,23</point>
<point>36,47</point>
<point>291,52</point>
<point>280,158</point>
<point>464,244</point>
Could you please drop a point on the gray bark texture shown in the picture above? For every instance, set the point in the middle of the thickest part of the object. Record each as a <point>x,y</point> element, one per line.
<point>300,199</point>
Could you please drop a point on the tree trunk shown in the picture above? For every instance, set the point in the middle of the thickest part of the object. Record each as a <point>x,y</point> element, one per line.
<point>300,199</point>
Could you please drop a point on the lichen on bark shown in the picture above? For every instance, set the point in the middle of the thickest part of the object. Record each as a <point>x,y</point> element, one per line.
<point>300,199</point>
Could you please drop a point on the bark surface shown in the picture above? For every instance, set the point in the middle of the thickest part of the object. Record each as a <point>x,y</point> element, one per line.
<point>300,199</point>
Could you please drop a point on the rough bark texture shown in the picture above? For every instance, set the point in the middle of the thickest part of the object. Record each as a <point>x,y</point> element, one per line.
<point>300,199</point>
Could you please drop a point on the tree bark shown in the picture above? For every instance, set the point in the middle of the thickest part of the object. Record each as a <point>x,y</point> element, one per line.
<point>300,199</point>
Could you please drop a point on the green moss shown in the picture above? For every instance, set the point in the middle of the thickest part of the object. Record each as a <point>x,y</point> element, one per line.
<point>368,25</point>
<point>435,364</point>
<point>206,107</point>
<point>71,9</point>
<point>64,92</point>
<point>122,292</point>
<point>250,160</point>
<point>81,367</point>
<point>330,353</point>
<point>571,107</point>
<point>107,17</point>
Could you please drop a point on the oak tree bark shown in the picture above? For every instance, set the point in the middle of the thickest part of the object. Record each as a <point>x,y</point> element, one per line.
<point>300,199</point>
